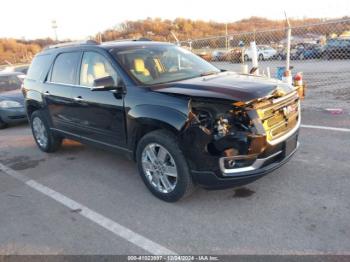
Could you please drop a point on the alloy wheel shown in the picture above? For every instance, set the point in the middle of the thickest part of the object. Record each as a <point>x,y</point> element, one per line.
<point>40,132</point>
<point>159,167</point>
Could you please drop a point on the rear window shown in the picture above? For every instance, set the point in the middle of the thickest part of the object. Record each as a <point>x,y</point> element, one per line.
<point>64,69</point>
<point>39,67</point>
<point>9,82</point>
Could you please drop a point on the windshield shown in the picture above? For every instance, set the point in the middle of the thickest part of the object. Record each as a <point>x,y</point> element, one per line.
<point>9,82</point>
<point>152,65</point>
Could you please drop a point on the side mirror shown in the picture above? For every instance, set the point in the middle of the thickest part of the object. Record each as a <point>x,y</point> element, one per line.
<point>106,84</point>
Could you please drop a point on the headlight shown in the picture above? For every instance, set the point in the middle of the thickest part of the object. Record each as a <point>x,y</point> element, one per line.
<point>9,104</point>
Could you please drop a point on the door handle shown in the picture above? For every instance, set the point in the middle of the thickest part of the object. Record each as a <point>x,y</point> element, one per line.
<point>78,99</point>
<point>47,93</point>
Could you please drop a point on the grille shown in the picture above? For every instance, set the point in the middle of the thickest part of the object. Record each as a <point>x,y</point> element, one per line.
<point>278,116</point>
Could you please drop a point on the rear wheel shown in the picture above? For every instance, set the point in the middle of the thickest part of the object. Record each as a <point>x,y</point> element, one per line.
<point>163,167</point>
<point>46,140</point>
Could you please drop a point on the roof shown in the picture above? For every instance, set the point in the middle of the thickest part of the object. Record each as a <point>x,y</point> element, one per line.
<point>133,43</point>
<point>122,44</point>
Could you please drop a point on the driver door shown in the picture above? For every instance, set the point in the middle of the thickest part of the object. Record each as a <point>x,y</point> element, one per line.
<point>98,114</point>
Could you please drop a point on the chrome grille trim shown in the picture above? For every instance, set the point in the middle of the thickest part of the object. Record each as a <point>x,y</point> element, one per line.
<point>289,133</point>
<point>276,124</point>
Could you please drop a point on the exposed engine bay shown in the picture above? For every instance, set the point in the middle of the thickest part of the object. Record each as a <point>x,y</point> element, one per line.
<point>234,129</point>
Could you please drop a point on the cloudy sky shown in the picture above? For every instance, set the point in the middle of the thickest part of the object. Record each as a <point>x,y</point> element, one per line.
<point>77,19</point>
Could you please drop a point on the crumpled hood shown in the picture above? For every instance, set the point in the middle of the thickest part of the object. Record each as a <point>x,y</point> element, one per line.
<point>226,85</point>
<point>14,95</point>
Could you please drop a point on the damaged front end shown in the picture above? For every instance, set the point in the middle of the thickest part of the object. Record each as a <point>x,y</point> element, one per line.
<point>238,139</point>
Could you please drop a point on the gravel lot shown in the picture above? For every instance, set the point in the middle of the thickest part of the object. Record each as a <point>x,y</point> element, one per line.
<point>302,208</point>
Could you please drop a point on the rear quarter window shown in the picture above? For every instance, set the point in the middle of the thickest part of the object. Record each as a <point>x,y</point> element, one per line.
<point>39,67</point>
<point>65,68</point>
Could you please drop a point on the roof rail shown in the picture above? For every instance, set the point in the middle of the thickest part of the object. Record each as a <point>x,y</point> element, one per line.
<point>76,43</point>
<point>128,39</point>
<point>117,40</point>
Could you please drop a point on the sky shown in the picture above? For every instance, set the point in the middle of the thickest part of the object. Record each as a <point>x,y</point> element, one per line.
<point>78,19</point>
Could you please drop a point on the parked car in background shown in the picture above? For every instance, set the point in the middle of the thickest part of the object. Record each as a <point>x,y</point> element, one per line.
<point>17,68</point>
<point>205,55</point>
<point>12,108</point>
<point>281,54</point>
<point>300,52</point>
<point>312,51</point>
<point>306,51</point>
<point>233,55</point>
<point>265,52</point>
<point>219,55</point>
<point>336,48</point>
<point>184,121</point>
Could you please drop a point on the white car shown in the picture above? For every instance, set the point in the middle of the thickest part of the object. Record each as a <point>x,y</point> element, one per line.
<point>265,52</point>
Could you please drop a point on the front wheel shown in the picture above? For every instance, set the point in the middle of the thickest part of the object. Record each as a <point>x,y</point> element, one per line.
<point>46,140</point>
<point>163,167</point>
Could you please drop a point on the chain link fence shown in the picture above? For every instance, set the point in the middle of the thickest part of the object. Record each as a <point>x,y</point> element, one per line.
<point>320,51</point>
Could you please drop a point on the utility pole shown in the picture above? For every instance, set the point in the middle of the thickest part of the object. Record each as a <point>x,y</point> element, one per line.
<point>54,27</point>
<point>289,34</point>
<point>226,33</point>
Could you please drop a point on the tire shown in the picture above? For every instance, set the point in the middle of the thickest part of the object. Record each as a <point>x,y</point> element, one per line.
<point>301,56</point>
<point>167,156</point>
<point>261,57</point>
<point>3,125</point>
<point>246,58</point>
<point>46,140</point>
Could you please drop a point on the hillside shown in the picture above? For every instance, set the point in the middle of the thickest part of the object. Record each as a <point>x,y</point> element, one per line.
<point>19,51</point>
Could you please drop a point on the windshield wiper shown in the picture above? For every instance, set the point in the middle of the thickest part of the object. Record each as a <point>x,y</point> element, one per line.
<point>209,73</point>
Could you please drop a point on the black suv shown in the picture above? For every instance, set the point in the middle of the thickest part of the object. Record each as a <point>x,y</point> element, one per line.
<point>185,122</point>
<point>337,48</point>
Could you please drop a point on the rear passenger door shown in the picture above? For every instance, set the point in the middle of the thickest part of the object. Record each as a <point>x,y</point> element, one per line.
<point>99,114</point>
<point>58,90</point>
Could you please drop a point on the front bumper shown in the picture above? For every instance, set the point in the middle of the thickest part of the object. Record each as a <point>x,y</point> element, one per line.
<point>13,115</point>
<point>227,178</point>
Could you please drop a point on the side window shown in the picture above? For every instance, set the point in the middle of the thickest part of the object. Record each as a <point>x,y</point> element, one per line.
<point>94,66</point>
<point>65,68</point>
<point>39,67</point>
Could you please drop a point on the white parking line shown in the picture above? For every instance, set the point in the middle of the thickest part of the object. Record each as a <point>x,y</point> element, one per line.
<point>327,128</point>
<point>112,226</point>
